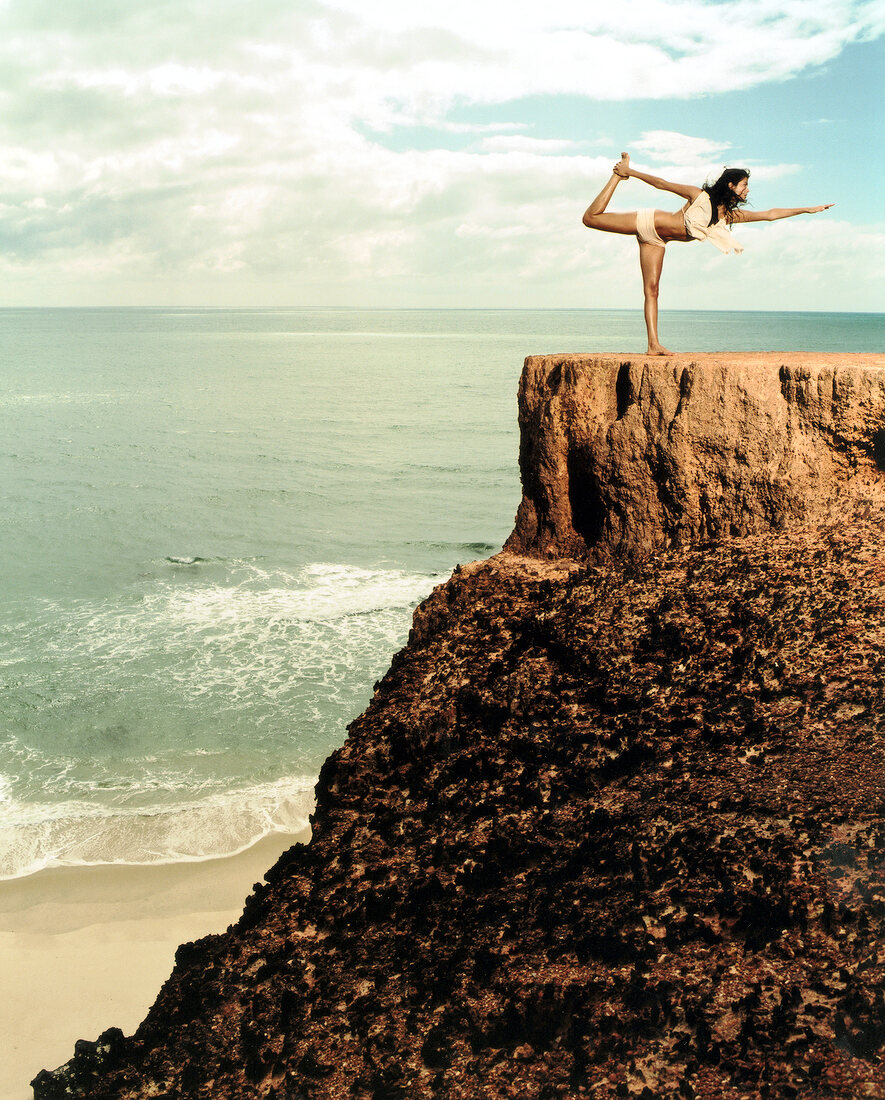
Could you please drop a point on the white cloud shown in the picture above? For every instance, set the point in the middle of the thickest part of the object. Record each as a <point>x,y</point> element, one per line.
<point>159,80</point>
<point>678,156</point>
<point>813,262</point>
<point>645,49</point>
<point>669,147</point>
<point>168,149</point>
<point>482,127</point>
<point>518,143</point>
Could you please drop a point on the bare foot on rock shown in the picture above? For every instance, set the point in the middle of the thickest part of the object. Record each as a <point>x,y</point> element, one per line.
<point>659,349</point>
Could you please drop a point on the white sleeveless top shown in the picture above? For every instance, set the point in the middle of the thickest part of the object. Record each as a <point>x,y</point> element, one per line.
<point>697,225</point>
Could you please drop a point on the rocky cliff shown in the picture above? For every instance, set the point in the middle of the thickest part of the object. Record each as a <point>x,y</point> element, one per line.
<point>612,824</point>
<point>622,457</point>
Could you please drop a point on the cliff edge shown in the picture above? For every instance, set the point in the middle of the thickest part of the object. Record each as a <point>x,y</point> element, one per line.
<point>612,824</point>
<point>620,457</point>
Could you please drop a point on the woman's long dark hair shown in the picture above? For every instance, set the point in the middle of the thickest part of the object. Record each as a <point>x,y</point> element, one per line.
<point>722,195</point>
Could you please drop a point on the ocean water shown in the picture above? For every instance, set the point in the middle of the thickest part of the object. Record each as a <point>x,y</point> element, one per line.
<point>215,525</point>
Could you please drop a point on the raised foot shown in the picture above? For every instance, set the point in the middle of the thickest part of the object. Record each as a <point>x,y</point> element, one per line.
<point>622,168</point>
<point>659,350</point>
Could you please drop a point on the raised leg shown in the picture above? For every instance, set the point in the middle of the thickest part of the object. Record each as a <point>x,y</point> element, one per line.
<point>651,262</point>
<point>595,216</point>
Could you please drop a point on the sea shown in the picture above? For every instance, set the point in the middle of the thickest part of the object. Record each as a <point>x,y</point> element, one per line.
<point>215,526</point>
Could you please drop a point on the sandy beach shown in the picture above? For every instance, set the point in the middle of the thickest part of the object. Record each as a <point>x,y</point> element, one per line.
<point>87,948</point>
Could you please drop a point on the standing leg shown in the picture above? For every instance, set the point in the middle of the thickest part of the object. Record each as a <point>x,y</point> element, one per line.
<point>651,261</point>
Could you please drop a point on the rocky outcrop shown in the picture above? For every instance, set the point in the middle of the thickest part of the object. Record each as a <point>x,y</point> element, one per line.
<point>606,829</point>
<point>622,457</point>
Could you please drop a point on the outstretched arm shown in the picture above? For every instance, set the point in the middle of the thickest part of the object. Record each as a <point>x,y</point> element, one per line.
<point>777,213</point>
<point>686,190</point>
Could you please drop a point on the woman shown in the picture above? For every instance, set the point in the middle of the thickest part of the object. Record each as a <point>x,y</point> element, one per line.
<point>708,214</point>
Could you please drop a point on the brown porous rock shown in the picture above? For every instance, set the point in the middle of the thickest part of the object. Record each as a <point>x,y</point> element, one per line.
<point>608,828</point>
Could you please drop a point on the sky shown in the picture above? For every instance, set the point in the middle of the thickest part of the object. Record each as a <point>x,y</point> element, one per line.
<point>394,154</point>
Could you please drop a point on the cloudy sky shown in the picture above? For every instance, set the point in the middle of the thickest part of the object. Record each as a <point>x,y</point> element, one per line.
<point>394,153</point>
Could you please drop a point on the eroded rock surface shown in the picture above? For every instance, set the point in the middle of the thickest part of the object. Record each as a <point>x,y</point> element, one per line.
<point>620,457</point>
<point>606,829</point>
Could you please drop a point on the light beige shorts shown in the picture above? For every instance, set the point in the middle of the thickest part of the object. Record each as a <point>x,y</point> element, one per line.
<point>645,228</point>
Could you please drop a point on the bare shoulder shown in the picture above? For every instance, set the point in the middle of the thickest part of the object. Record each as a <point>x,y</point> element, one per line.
<point>686,191</point>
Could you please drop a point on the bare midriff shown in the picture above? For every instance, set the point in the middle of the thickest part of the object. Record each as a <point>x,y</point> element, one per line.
<point>671,227</point>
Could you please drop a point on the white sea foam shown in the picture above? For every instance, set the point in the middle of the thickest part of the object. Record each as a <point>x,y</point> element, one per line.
<point>271,626</point>
<point>34,836</point>
<point>318,592</point>
<point>143,725</point>
<point>259,637</point>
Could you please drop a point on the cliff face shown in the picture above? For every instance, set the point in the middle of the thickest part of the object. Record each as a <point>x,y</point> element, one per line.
<point>621,457</point>
<point>608,828</point>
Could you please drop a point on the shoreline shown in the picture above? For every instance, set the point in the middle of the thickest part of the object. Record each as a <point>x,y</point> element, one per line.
<point>87,948</point>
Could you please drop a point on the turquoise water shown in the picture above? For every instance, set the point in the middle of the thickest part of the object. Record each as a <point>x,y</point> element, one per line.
<point>215,525</point>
